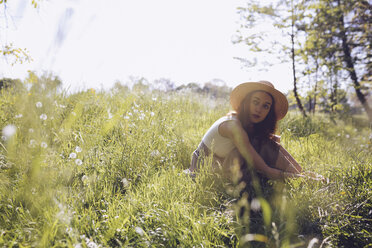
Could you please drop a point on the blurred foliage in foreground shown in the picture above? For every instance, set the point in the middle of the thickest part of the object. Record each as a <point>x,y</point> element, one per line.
<point>104,169</point>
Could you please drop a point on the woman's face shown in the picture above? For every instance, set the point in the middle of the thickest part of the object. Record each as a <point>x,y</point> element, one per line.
<point>259,106</point>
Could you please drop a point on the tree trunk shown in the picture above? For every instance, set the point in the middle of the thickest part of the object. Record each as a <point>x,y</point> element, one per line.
<point>316,83</point>
<point>298,100</point>
<point>351,69</point>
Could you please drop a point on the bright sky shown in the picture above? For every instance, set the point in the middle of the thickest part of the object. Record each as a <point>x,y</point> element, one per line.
<point>92,44</point>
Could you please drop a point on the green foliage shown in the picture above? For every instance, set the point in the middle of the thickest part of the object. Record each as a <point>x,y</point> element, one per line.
<point>106,169</point>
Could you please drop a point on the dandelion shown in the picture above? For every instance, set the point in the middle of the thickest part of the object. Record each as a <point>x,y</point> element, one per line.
<point>72,155</point>
<point>9,131</point>
<point>44,144</point>
<point>347,136</point>
<point>78,149</point>
<point>31,130</point>
<point>43,117</point>
<point>39,105</point>
<point>78,162</point>
<point>152,113</point>
<point>18,116</point>
<point>338,135</point>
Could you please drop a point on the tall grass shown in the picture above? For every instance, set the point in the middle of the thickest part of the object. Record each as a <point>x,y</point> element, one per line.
<point>105,169</point>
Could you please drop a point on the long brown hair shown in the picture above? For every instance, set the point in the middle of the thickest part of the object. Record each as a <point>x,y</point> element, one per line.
<point>263,129</point>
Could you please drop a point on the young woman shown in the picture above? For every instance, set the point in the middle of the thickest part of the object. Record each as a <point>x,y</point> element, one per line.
<point>246,136</point>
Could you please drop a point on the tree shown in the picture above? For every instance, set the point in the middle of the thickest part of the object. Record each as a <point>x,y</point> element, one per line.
<point>283,16</point>
<point>342,43</point>
<point>8,51</point>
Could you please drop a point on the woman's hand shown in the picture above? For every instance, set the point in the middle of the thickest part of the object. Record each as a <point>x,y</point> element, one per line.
<point>314,176</point>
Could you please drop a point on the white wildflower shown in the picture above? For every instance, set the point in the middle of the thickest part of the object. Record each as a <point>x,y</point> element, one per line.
<point>18,116</point>
<point>255,205</point>
<point>32,143</point>
<point>125,182</point>
<point>39,105</point>
<point>139,230</point>
<point>9,131</point>
<point>84,178</point>
<point>347,136</point>
<point>43,144</point>
<point>31,130</point>
<point>43,117</point>
<point>109,114</point>
<point>78,162</point>
<point>72,155</point>
<point>78,149</point>
<point>155,153</point>
<point>142,116</point>
<point>152,113</point>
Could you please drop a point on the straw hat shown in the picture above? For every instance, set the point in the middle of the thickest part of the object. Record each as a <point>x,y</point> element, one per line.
<point>242,90</point>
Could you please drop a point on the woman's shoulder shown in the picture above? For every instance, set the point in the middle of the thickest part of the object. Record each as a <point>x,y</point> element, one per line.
<point>229,126</point>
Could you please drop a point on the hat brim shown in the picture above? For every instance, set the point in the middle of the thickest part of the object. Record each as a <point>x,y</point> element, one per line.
<point>242,90</point>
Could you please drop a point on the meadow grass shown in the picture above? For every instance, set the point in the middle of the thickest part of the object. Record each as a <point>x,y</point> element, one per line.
<point>105,169</point>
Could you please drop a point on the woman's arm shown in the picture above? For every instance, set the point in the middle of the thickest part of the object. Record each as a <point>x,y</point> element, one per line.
<point>286,162</point>
<point>234,131</point>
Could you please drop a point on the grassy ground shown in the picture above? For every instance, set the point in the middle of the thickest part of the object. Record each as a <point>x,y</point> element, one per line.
<point>104,169</point>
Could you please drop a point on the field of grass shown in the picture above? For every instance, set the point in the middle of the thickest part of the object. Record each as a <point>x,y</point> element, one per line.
<point>105,169</point>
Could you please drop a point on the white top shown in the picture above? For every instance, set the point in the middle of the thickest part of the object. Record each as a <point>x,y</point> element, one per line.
<point>220,145</point>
